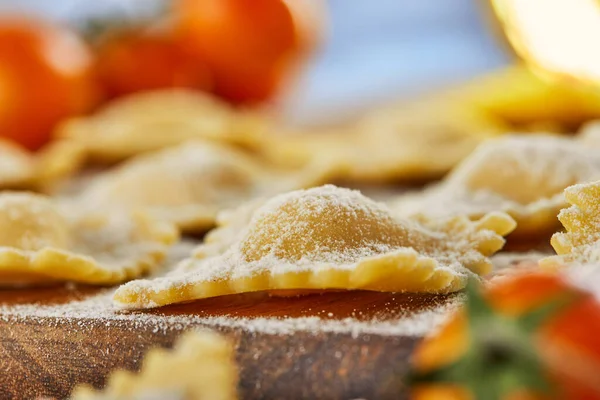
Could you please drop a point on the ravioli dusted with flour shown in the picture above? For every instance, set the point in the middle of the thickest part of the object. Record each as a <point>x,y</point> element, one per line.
<point>423,141</point>
<point>154,120</point>
<point>39,242</point>
<point>580,244</point>
<point>188,184</point>
<point>330,238</point>
<point>17,166</point>
<point>416,141</point>
<point>522,176</point>
<point>201,366</point>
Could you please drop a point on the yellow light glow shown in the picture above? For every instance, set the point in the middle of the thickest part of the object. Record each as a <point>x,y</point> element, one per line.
<point>561,37</point>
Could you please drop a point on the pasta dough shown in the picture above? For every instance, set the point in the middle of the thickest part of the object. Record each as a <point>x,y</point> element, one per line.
<point>330,238</point>
<point>188,184</point>
<point>201,366</point>
<point>157,119</point>
<point>522,176</point>
<point>39,242</point>
<point>580,244</point>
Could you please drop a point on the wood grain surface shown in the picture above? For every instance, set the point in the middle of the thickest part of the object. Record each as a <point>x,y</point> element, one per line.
<point>47,356</point>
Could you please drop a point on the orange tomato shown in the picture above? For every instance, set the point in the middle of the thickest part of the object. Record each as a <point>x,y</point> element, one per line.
<point>136,61</point>
<point>251,46</point>
<point>564,341</point>
<point>45,76</point>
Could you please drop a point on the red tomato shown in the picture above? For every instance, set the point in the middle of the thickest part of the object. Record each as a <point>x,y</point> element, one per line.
<point>45,76</point>
<point>137,61</point>
<point>566,341</point>
<point>251,46</point>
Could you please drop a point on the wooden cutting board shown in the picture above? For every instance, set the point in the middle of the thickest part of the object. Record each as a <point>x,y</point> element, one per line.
<point>343,345</point>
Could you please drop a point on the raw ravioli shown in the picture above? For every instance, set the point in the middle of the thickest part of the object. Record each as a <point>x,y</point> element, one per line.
<point>329,238</point>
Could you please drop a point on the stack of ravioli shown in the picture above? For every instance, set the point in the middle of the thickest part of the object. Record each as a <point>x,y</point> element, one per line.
<point>276,211</point>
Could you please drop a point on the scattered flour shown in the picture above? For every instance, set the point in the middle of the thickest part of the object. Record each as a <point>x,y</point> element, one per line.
<point>98,309</point>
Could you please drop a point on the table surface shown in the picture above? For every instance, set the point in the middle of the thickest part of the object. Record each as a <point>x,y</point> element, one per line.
<point>338,345</point>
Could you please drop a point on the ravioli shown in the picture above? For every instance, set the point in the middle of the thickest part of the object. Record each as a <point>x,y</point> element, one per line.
<point>330,238</point>
<point>201,366</point>
<point>41,243</point>
<point>188,184</point>
<point>418,142</point>
<point>424,139</point>
<point>523,176</point>
<point>157,119</point>
<point>580,244</point>
<point>415,142</point>
<point>17,166</point>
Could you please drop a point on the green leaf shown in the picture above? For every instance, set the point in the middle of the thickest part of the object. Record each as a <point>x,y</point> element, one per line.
<point>533,320</point>
<point>501,358</point>
<point>477,306</point>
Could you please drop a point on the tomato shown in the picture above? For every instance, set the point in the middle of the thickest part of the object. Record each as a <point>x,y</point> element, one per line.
<point>531,336</point>
<point>251,46</point>
<point>45,76</point>
<point>135,61</point>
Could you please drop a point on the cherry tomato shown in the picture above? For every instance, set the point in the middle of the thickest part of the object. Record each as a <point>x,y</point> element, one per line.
<point>137,61</point>
<point>251,46</point>
<point>566,342</point>
<point>45,76</point>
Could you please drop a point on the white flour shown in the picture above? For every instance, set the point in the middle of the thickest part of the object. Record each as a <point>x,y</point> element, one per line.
<point>98,309</point>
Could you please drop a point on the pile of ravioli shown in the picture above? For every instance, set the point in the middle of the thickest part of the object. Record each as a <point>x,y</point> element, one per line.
<point>276,212</point>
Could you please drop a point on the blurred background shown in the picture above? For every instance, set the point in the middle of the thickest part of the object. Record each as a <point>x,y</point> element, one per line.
<point>369,52</point>
<point>300,63</point>
<point>394,49</point>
